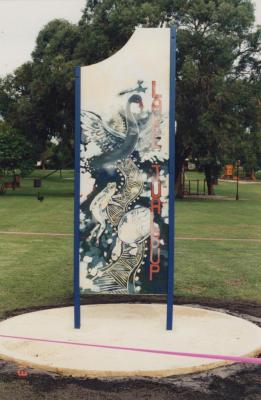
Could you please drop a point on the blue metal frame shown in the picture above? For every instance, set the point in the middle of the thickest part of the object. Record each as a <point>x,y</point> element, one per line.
<point>77,142</point>
<point>170,293</point>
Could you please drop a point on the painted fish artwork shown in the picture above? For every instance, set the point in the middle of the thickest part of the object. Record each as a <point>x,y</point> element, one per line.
<point>124,174</point>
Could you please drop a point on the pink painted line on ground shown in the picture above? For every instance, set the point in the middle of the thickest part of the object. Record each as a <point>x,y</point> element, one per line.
<point>251,360</point>
<point>35,233</point>
<point>177,237</point>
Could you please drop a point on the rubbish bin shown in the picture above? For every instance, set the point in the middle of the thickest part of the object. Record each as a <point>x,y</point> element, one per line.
<point>37,183</point>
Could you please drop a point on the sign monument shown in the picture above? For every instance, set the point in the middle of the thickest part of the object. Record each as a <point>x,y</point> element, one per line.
<point>124,183</point>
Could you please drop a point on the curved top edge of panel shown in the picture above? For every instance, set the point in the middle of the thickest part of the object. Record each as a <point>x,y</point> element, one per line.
<point>140,34</point>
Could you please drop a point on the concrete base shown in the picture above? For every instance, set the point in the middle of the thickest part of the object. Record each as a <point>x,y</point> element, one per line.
<point>196,330</point>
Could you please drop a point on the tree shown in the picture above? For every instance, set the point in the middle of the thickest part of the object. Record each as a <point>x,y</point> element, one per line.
<point>107,25</point>
<point>217,63</point>
<point>16,154</point>
<point>37,100</point>
<point>215,49</point>
<point>216,59</point>
<point>247,145</point>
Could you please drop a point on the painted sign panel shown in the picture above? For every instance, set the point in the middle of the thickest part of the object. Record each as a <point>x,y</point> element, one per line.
<point>124,165</point>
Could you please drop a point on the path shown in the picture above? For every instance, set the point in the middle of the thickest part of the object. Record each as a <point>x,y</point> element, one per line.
<point>35,233</point>
<point>57,234</point>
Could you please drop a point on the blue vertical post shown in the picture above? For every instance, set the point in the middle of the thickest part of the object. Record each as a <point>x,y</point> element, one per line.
<point>77,141</point>
<point>170,293</point>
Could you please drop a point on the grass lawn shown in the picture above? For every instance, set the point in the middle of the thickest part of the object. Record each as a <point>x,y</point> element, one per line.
<point>222,218</point>
<point>219,270</point>
<point>21,211</point>
<point>37,270</point>
<point>34,271</point>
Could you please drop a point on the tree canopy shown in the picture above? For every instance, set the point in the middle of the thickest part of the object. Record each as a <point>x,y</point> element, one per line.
<point>218,74</point>
<point>37,100</point>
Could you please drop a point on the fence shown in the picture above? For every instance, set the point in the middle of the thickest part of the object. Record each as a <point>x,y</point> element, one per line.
<point>194,187</point>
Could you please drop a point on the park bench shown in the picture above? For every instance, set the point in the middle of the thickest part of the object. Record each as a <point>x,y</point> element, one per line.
<point>10,184</point>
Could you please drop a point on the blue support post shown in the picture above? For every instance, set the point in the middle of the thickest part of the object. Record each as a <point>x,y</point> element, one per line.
<point>77,142</point>
<point>170,293</point>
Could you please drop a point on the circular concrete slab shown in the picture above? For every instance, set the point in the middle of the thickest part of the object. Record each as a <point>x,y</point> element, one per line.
<point>130,325</point>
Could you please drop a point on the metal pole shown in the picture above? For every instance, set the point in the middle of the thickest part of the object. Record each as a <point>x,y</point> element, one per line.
<point>76,276</point>
<point>183,180</point>
<point>170,289</point>
<point>237,195</point>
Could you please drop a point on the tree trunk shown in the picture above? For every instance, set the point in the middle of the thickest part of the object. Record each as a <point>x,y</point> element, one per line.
<point>180,159</point>
<point>209,179</point>
<point>178,176</point>
<point>179,185</point>
<point>210,186</point>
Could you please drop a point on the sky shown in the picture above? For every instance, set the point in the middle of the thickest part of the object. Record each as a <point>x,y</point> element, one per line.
<point>21,20</point>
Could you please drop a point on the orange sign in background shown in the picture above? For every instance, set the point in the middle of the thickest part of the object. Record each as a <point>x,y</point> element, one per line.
<point>229,170</point>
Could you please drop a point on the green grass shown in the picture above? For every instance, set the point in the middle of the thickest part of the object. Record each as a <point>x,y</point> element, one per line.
<point>222,218</point>
<point>37,270</point>
<point>34,271</point>
<point>219,270</point>
<point>21,211</point>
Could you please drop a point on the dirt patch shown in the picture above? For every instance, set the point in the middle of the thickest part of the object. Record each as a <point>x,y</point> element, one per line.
<point>235,382</point>
<point>226,383</point>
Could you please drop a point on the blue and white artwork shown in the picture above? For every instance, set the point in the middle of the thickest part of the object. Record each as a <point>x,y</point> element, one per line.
<point>124,193</point>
